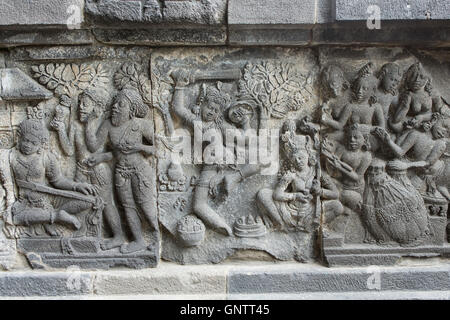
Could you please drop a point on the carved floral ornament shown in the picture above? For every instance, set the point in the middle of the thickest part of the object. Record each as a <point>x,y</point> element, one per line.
<point>97,176</point>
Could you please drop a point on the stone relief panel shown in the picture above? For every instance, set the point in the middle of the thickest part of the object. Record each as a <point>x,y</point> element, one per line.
<point>122,156</point>
<point>232,105</point>
<point>83,167</point>
<point>384,150</point>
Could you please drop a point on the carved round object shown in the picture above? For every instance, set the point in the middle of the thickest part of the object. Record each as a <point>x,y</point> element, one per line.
<point>191,231</point>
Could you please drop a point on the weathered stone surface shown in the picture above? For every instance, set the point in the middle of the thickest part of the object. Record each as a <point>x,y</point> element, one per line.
<point>22,284</point>
<point>348,10</point>
<point>302,279</point>
<point>267,12</point>
<point>9,38</point>
<point>16,85</point>
<point>418,35</point>
<point>162,36</point>
<point>167,280</point>
<point>231,281</point>
<point>198,12</point>
<point>42,12</point>
<point>269,37</point>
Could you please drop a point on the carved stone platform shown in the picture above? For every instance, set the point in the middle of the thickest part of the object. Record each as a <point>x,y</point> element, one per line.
<point>83,253</point>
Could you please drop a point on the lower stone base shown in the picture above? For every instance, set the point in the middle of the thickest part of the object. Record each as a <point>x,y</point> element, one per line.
<point>233,281</point>
<point>366,255</point>
<point>84,253</point>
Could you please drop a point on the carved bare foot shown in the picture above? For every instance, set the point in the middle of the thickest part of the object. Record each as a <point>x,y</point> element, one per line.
<point>132,247</point>
<point>231,181</point>
<point>51,230</point>
<point>112,243</point>
<point>67,218</point>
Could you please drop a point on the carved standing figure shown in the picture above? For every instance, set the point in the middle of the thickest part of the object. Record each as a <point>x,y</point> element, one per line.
<point>93,101</point>
<point>126,131</point>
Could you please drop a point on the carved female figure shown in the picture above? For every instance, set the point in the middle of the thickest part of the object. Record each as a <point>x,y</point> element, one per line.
<point>389,78</point>
<point>427,143</point>
<point>290,204</point>
<point>93,101</point>
<point>32,166</point>
<point>416,102</point>
<point>126,131</point>
<point>334,90</point>
<point>212,106</point>
<point>363,109</point>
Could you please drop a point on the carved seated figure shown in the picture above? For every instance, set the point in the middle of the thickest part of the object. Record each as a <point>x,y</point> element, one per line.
<point>427,143</point>
<point>290,205</point>
<point>34,169</point>
<point>390,76</point>
<point>364,108</point>
<point>348,164</point>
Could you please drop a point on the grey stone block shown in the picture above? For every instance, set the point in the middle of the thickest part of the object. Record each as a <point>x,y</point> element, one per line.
<point>389,34</point>
<point>41,12</point>
<point>167,280</point>
<point>325,11</point>
<point>103,12</point>
<point>115,10</point>
<point>22,284</point>
<point>350,10</point>
<point>254,36</point>
<point>269,12</point>
<point>304,279</point>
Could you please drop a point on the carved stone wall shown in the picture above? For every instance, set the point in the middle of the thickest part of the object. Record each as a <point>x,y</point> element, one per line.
<point>119,151</point>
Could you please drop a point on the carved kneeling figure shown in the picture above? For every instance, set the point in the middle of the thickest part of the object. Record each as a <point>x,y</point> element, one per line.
<point>32,167</point>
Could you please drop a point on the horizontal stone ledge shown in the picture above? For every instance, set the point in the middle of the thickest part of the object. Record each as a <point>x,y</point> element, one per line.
<point>256,280</point>
<point>163,36</point>
<point>11,38</point>
<point>350,33</point>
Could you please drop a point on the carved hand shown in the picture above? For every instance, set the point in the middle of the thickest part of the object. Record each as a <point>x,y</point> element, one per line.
<point>94,159</point>
<point>316,187</point>
<point>57,125</point>
<point>86,188</point>
<point>382,134</point>
<point>181,77</point>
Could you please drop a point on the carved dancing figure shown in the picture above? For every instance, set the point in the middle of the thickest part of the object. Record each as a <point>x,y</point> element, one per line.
<point>126,131</point>
<point>211,116</point>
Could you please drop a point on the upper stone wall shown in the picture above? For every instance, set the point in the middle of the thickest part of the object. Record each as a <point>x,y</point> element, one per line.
<point>224,22</point>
